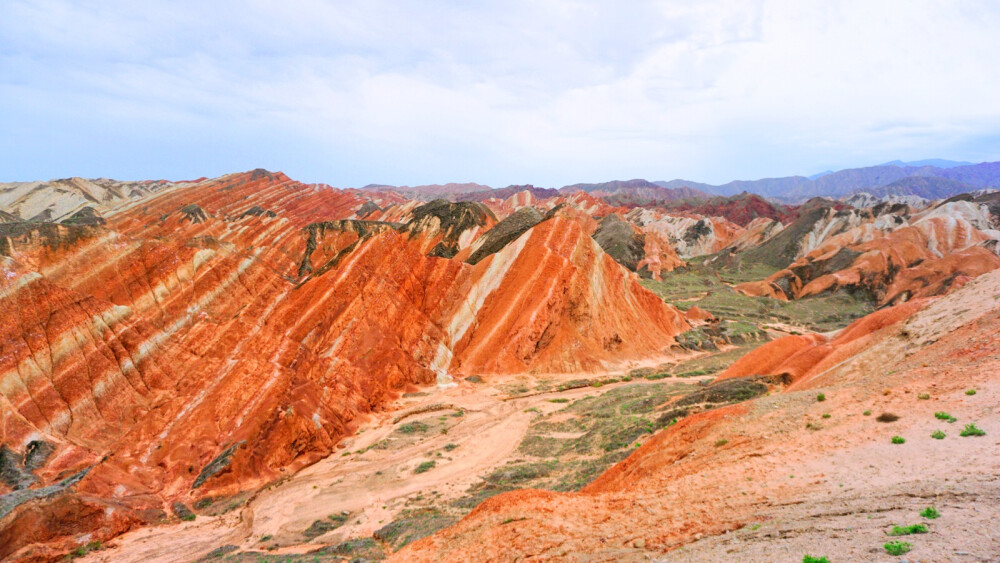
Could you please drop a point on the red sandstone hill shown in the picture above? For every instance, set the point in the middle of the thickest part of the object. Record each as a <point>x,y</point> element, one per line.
<point>213,337</point>
<point>741,209</point>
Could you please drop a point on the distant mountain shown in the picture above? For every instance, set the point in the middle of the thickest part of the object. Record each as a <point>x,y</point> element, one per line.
<point>927,187</point>
<point>740,209</point>
<point>936,162</point>
<point>843,183</point>
<point>985,175</point>
<point>821,174</point>
<point>504,193</point>
<point>430,191</point>
<point>636,192</point>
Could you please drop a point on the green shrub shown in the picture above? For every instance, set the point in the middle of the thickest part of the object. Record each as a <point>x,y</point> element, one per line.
<point>449,447</point>
<point>923,396</point>
<point>721,443</point>
<point>938,435</point>
<point>907,530</point>
<point>810,559</point>
<point>970,392</point>
<point>898,440</point>
<point>826,415</point>
<point>972,430</point>
<point>413,427</point>
<point>944,416</point>
<point>930,513</point>
<point>559,400</point>
<point>424,467</point>
<point>887,417</point>
<point>897,547</point>
<point>188,517</point>
<point>820,398</point>
<point>867,413</point>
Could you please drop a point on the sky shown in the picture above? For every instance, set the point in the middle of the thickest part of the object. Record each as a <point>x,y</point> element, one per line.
<point>547,92</point>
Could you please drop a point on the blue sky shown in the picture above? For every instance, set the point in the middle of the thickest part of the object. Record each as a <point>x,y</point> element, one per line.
<point>544,92</point>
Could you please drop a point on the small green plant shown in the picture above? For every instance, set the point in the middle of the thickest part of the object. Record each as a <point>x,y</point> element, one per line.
<point>908,530</point>
<point>449,447</point>
<point>944,416</point>
<point>930,513</point>
<point>424,467</point>
<point>721,443</point>
<point>972,430</point>
<point>820,398</point>
<point>826,415</point>
<point>970,392</point>
<point>898,440</point>
<point>810,559</point>
<point>938,435</point>
<point>265,537</point>
<point>897,547</point>
<point>923,396</point>
<point>188,517</point>
<point>867,413</point>
<point>559,400</point>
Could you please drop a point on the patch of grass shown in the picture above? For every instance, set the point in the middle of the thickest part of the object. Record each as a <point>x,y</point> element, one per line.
<point>898,440</point>
<point>908,530</point>
<point>727,391</point>
<point>930,513</point>
<point>450,447</point>
<point>413,525</point>
<point>265,537</point>
<point>707,284</point>
<point>720,443</point>
<point>85,549</point>
<point>188,517</point>
<point>356,549</point>
<point>867,413</point>
<point>424,467</point>
<point>320,527</point>
<point>820,398</point>
<point>972,430</point>
<point>413,427</point>
<point>897,547</point>
<point>827,415</point>
<point>970,392</point>
<point>944,416</point>
<point>559,400</point>
<point>887,417</point>
<point>923,396</point>
<point>810,559</point>
<point>938,435</point>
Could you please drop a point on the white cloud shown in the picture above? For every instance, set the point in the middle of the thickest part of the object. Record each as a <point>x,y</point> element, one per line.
<point>546,92</point>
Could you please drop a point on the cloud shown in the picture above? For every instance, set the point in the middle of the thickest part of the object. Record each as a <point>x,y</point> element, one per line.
<point>549,92</point>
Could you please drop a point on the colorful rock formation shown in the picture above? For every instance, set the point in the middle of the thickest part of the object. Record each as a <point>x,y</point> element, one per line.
<point>216,336</point>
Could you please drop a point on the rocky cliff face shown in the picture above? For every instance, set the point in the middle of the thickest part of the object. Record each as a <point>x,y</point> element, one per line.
<point>215,336</point>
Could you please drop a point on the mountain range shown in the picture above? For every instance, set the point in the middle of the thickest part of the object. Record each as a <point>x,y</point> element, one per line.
<point>930,179</point>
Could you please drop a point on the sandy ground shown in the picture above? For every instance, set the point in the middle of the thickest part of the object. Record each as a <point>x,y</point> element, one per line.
<point>374,486</point>
<point>858,494</point>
